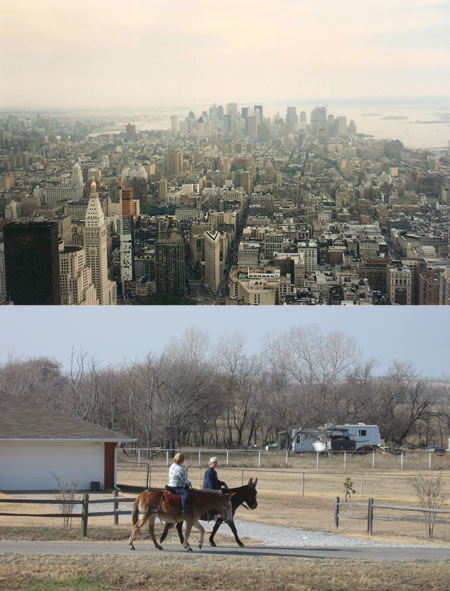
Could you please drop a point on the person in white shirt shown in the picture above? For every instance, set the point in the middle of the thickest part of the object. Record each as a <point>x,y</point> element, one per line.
<point>179,483</point>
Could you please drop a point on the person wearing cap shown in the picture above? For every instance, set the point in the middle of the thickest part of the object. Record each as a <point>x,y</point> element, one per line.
<point>211,479</point>
<point>179,483</point>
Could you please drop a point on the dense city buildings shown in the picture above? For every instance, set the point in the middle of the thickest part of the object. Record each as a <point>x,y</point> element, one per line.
<point>231,205</point>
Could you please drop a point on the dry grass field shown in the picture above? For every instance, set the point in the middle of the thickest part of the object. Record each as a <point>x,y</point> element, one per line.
<point>190,572</point>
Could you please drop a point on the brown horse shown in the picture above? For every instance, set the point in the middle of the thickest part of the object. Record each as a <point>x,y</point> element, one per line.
<point>152,503</point>
<point>242,495</point>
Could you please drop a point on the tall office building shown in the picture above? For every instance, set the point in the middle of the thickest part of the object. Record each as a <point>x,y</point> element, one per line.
<point>75,278</point>
<point>174,127</point>
<point>291,118</point>
<point>258,110</point>
<point>174,163</point>
<point>318,120</point>
<point>130,132</point>
<point>77,182</point>
<point>95,240</point>
<point>170,263</point>
<point>32,263</point>
<point>252,127</point>
<point>126,235</point>
<point>2,274</point>
<point>213,260</point>
<point>232,109</point>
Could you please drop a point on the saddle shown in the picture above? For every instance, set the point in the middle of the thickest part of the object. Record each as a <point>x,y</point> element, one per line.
<point>171,498</point>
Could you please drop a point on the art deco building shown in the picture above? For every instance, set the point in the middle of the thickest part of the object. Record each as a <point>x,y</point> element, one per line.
<point>75,277</point>
<point>95,242</point>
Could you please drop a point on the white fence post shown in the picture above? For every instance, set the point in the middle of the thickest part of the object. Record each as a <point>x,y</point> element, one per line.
<point>139,456</point>
<point>401,461</point>
<point>373,459</point>
<point>345,460</point>
<point>317,460</point>
<point>259,459</point>
<point>228,458</point>
<point>199,458</point>
<point>167,457</point>
<point>429,461</point>
<point>287,457</point>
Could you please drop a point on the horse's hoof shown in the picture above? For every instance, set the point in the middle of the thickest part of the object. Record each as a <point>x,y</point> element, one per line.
<point>132,548</point>
<point>241,544</point>
<point>188,549</point>
<point>212,543</point>
<point>200,546</point>
<point>160,547</point>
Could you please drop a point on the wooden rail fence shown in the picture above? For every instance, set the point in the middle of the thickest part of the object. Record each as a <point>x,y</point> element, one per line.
<point>370,516</point>
<point>84,514</point>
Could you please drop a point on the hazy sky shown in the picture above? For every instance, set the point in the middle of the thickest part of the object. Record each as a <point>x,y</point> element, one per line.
<point>104,53</point>
<point>128,333</point>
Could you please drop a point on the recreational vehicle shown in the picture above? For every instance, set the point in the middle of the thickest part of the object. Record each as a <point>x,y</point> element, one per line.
<point>335,437</point>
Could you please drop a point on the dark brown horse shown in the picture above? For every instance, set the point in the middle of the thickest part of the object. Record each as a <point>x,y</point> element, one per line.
<point>242,495</point>
<point>154,502</point>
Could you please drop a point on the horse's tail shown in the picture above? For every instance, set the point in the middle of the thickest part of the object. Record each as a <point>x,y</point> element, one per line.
<point>135,511</point>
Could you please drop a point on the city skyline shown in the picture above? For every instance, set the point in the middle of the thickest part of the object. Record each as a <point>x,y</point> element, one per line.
<point>404,334</point>
<point>80,51</point>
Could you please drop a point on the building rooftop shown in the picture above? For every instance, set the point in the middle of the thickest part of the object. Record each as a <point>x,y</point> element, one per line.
<point>22,419</point>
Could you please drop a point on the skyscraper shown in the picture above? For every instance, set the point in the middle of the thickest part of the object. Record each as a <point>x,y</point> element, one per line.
<point>213,260</point>
<point>96,251</point>
<point>32,263</point>
<point>77,181</point>
<point>291,118</point>
<point>126,236</point>
<point>170,263</point>
<point>174,163</point>
<point>2,274</point>
<point>318,120</point>
<point>130,132</point>
<point>258,110</point>
<point>75,278</point>
<point>174,127</point>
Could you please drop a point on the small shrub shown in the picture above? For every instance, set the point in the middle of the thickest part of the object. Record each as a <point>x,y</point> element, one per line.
<point>348,488</point>
<point>66,493</point>
<point>429,493</point>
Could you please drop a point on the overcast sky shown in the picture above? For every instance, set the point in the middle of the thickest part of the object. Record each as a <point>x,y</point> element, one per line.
<point>128,333</point>
<point>105,53</point>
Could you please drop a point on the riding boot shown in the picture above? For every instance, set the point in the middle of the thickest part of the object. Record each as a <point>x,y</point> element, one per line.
<point>187,511</point>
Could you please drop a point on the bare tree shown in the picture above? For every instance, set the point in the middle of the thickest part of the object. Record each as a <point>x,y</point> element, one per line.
<point>429,493</point>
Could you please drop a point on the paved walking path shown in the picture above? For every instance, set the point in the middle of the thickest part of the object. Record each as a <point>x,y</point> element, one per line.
<point>146,548</point>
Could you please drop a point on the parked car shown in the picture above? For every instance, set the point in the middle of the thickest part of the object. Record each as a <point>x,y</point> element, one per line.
<point>440,451</point>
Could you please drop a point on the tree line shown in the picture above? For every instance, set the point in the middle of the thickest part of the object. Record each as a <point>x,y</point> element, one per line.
<point>216,394</point>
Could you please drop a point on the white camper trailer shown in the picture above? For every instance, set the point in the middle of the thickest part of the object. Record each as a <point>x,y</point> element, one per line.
<point>303,439</point>
<point>335,437</point>
<point>348,437</point>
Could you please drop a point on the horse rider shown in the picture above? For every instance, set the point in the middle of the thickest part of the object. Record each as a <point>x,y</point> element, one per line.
<point>179,483</point>
<point>211,480</point>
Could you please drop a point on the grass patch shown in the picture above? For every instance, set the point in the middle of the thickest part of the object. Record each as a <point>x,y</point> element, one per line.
<point>76,584</point>
<point>117,533</point>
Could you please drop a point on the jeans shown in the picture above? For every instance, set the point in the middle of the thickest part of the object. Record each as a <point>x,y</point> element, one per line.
<point>185,495</point>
